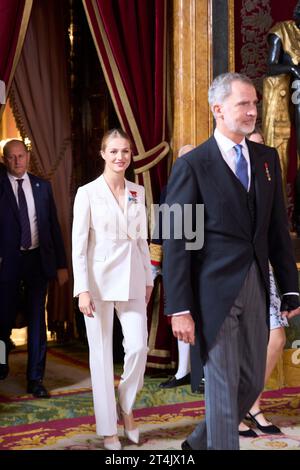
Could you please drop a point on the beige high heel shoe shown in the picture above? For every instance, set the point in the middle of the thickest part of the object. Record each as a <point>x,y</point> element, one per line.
<point>130,430</point>
<point>112,443</point>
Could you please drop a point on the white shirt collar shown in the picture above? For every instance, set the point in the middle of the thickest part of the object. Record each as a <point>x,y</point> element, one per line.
<point>229,154</point>
<point>13,178</point>
<point>227,144</point>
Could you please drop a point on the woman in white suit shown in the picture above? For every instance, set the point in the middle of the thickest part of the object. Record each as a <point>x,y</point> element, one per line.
<point>112,270</point>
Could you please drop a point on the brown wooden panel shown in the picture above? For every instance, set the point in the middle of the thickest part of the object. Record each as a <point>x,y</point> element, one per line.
<point>192,70</point>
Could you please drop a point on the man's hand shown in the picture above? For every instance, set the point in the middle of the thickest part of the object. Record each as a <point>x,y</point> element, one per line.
<point>183,327</point>
<point>291,313</point>
<point>290,306</point>
<point>62,276</point>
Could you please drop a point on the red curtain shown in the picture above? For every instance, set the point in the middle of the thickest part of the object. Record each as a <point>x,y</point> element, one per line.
<point>14,16</point>
<point>130,38</point>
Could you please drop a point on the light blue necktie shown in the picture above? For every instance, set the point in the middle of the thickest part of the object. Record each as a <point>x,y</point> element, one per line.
<point>241,169</point>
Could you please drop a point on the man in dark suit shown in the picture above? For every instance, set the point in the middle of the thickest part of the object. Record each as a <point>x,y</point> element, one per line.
<point>190,369</point>
<point>222,287</point>
<point>31,253</point>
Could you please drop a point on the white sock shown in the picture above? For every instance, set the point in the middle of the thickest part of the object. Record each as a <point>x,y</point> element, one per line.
<point>184,366</point>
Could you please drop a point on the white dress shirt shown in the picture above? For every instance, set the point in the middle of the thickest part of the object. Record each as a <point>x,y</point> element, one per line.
<point>228,152</point>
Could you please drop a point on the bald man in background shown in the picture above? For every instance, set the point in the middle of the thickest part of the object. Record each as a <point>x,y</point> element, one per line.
<point>31,253</point>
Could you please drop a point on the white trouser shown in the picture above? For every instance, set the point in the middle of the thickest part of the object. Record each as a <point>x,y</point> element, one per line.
<point>133,319</point>
<point>184,363</point>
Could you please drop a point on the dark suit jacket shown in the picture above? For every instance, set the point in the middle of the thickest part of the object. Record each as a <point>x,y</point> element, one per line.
<point>50,240</point>
<point>2,170</point>
<point>207,281</point>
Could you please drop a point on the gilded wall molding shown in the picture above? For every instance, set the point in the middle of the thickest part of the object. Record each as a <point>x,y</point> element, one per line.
<point>192,71</point>
<point>231,42</point>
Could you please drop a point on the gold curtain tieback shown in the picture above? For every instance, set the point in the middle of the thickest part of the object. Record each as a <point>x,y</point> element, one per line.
<point>162,149</point>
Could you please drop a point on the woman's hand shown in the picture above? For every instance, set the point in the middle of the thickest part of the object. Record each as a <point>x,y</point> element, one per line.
<point>86,304</point>
<point>149,290</point>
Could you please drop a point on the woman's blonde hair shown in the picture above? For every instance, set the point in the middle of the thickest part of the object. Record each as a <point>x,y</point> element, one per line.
<point>112,133</point>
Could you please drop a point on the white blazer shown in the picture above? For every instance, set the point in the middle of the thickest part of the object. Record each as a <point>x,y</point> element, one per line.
<point>110,252</point>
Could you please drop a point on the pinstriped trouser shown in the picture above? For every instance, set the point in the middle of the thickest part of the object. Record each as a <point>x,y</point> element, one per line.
<point>235,368</point>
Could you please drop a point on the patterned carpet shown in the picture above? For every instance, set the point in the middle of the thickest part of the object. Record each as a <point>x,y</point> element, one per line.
<point>165,418</point>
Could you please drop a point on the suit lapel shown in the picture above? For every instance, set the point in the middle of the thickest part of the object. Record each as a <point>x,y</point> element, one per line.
<point>221,177</point>
<point>126,201</point>
<point>11,197</point>
<point>113,204</point>
<point>262,184</point>
<point>132,199</point>
<point>36,192</point>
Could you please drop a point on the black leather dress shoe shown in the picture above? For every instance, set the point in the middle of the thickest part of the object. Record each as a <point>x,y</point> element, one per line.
<point>173,382</point>
<point>186,446</point>
<point>200,389</point>
<point>4,370</point>
<point>248,433</point>
<point>37,389</point>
